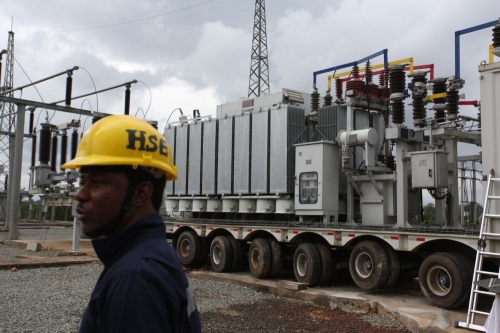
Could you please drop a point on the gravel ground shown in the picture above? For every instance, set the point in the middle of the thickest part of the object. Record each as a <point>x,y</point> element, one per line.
<point>53,300</point>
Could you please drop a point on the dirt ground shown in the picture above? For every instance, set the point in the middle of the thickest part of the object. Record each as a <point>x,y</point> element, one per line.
<point>292,316</point>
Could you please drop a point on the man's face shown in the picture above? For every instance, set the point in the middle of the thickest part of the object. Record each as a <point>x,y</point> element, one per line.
<point>100,199</point>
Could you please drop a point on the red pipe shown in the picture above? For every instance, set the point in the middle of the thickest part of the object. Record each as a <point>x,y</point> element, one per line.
<point>474,103</point>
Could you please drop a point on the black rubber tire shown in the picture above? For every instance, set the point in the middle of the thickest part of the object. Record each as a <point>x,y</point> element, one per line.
<point>326,264</point>
<point>205,251</point>
<point>444,280</point>
<point>306,264</point>
<point>188,248</point>
<point>469,266</point>
<point>394,265</point>
<point>368,265</point>
<point>221,254</point>
<point>259,258</point>
<point>276,257</point>
<point>237,254</point>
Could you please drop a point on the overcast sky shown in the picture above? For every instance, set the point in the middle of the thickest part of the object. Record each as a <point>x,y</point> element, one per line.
<point>198,54</point>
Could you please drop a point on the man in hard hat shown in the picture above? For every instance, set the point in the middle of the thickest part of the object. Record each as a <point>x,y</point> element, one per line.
<point>124,163</point>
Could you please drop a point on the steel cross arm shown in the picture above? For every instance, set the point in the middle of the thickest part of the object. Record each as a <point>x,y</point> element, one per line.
<point>13,134</point>
<point>466,137</point>
<point>458,33</point>
<point>39,81</point>
<point>45,106</point>
<point>98,91</point>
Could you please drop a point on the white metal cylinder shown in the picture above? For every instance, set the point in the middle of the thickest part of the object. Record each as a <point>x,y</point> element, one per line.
<point>358,137</point>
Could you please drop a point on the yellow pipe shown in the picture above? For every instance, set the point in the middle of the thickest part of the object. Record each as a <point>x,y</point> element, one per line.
<point>435,96</point>
<point>490,54</point>
<point>361,70</point>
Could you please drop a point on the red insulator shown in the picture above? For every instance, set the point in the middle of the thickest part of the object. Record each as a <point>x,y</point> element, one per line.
<point>383,91</point>
<point>355,84</point>
<point>338,89</point>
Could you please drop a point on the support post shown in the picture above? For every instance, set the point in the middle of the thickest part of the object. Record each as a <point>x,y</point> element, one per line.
<point>15,190</point>
<point>462,192</point>
<point>451,149</point>
<point>402,184</point>
<point>350,192</point>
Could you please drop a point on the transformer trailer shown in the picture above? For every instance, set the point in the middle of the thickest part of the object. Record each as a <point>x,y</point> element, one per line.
<point>338,188</point>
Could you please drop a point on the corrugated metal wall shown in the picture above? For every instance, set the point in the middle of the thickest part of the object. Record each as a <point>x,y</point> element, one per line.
<point>169,135</point>
<point>209,164</point>
<point>195,158</point>
<point>242,151</point>
<point>181,159</point>
<point>287,125</point>
<point>225,156</point>
<point>260,152</point>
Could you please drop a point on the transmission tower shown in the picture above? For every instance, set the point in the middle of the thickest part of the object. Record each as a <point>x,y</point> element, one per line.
<point>259,64</point>
<point>7,118</point>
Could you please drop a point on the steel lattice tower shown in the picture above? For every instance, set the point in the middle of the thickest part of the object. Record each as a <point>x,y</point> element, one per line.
<point>7,118</point>
<point>259,64</point>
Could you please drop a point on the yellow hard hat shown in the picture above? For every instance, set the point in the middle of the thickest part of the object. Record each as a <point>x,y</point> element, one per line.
<point>124,140</point>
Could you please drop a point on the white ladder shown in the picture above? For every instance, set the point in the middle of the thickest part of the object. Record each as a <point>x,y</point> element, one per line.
<point>484,235</point>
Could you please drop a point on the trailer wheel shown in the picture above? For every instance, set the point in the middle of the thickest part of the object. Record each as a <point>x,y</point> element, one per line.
<point>326,263</point>
<point>205,251</point>
<point>237,253</point>
<point>394,266</point>
<point>276,257</point>
<point>188,248</point>
<point>259,258</point>
<point>469,266</point>
<point>444,280</point>
<point>306,264</point>
<point>368,265</point>
<point>221,255</point>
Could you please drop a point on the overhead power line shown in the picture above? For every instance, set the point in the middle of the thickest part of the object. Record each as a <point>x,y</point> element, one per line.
<point>123,23</point>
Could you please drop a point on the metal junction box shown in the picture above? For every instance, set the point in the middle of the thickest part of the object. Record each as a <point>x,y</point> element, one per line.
<point>429,169</point>
<point>317,174</point>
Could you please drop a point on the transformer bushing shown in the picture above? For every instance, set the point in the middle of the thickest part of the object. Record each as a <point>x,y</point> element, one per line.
<point>53,159</point>
<point>389,161</point>
<point>64,147</point>
<point>452,96</point>
<point>328,99</point>
<point>44,151</point>
<point>338,90</point>
<point>315,100</point>
<point>496,39</point>
<point>373,91</point>
<point>419,91</point>
<point>438,87</point>
<point>397,79</point>
<point>74,143</point>
<point>384,91</point>
<point>355,86</point>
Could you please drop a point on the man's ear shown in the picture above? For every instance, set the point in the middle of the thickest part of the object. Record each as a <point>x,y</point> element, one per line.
<point>143,193</point>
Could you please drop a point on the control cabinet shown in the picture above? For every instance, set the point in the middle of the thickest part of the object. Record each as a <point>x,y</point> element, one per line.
<point>316,178</point>
<point>429,169</point>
